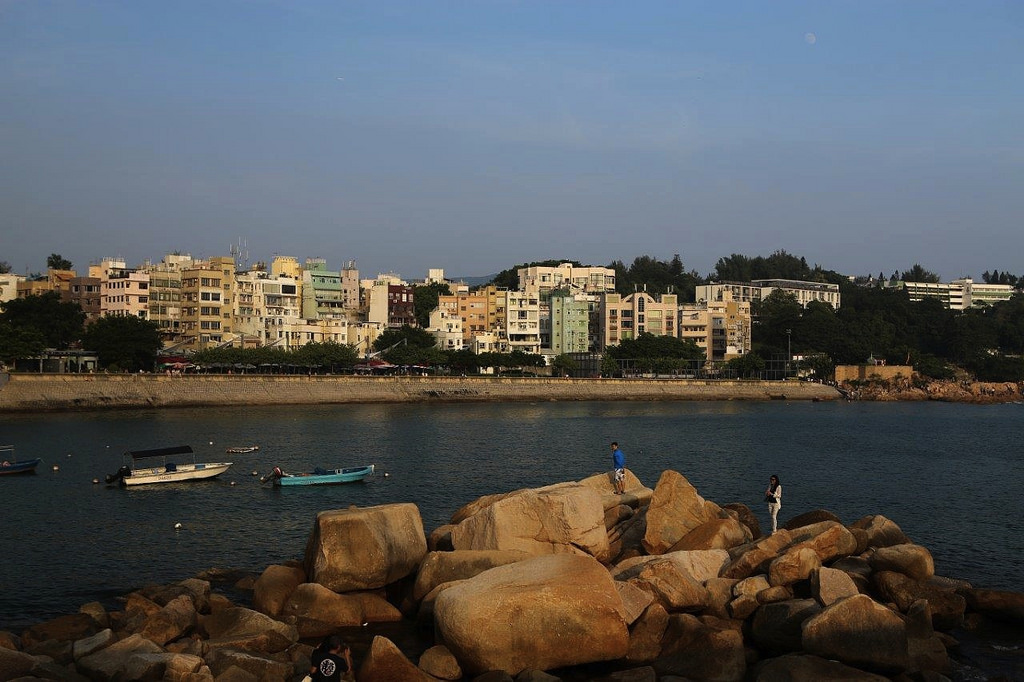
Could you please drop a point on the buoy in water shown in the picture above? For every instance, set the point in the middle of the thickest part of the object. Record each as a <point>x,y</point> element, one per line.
<point>255,473</point>
<point>95,481</point>
<point>211,442</point>
<point>386,474</point>
<point>232,482</point>
<point>177,526</point>
<point>56,468</point>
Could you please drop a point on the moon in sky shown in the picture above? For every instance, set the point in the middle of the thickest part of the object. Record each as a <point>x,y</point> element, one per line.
<point>810,38</point>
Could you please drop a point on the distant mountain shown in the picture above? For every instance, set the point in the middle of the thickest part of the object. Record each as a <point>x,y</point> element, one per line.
<point>473,281</point>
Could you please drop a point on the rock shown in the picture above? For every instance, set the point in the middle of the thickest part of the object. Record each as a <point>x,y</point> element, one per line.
<point>88,645</point>
<point>674,511</point>
<point>775,594</point>
<point>946,606</point>
<point>175,619</point>
<point>750,586</point>
<point>96,611</point>
<point>312,601</point>
<point>913,561</point>
<point>795,565</point>
<point>712,655</point>
<point>160,666</point>
<point>646,634</point>
<point>998,604</point>
<point>137,610</point>
<point>235,674</point>
<point>744,515</point>
<point>440,539</point>
<point>859,632</point>
<point>479,504</point>
<point>634,601</point>
<point>643,674</point>
<point>9,640</point>
<point>112,662</point>
<point>63,628</point>
<point>806,668</point>
<point>811,517</point>
<point>443,567</point>
<point>438,662</point>
<point>531,675</point>
<point>743,606</point>
<point>828,539</point>
<point>700,565</point>
<point>925,648</point>
<point>637,494</point>
<point>563,518</point>
<point>364,549</point>
<point>777,628</point>
<point>243,628</point>
<point>271,590</point>
<point>754,557</point>
<point>261,667</point>
<point>546,612</point>
<point>625,541</point>
<point>881,532</point>
<point>720,593</point>
<point>829,585</point>
<point>384,662</point>
<point>616,515</point>
<point>671,585</point>
<point>15,664</point>
<point>714,534</point>
<point>197,590</point>
<point>218,602</point>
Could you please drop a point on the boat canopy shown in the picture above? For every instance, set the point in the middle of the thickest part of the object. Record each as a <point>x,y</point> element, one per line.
<point>161,452</point>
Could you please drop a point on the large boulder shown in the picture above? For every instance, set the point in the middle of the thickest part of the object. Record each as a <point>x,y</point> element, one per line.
<point>998,604</point>
<point>810,518</point>
<point>274,586</point>
<point>880,531</point>
<point>829,540</point>
<point>756,556</point>
<point>946,606</point>
<point>744,515</point>
<point>312,606</point>
<point>806,668</point>
<point>443,567</point>
<point>700,652</point>
<point>675,509</point>
<point>911,560</point>
<point>646,635</point>
<point>636,495</point>
<point>226,662</point>
<point>365,549</point>
<point>112,662</point>
<point>563,518</point>
<point>244,628</point>
<point>859,632</point>
<point>65,628</point>
<point>777,627</point>
<point>714,534</point>
<point>796,564</point>
<point>543,613</point>
<point>175,619</point>
<point>700,565</point>
<point>829,585</point>
<point>671,586</point>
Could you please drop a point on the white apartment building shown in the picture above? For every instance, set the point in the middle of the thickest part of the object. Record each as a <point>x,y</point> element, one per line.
<point>446,328</point>
<point>721,328</point>
<point>124,291</point>
<point>9,286</point>
<point>522,325</point>
<point>960,294</point>
<point>260,298</point>
<point>760,289</point>
<point>590,279</point>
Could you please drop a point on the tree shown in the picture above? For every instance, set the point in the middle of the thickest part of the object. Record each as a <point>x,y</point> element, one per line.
<point>919,274</point>
<point>406,335</point>
<point>425,300</point>
<point>651,347</point>
<point>58,262</point>
<point>123,342</point>
<point>747,366</point>
<point>58,323</point>
<point>19,342</point>
<point>564,364</point>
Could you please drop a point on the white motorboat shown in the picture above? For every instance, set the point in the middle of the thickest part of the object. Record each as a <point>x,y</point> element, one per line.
<point>165,465</point>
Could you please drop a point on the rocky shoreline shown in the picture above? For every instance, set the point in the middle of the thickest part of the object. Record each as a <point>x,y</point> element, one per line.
<point>981,393</point>
<point>568,581</point>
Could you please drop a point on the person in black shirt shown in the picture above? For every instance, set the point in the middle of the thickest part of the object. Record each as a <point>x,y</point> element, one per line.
<point>331,661</point>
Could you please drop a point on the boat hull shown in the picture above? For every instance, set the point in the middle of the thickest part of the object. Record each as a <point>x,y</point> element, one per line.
<point>335,477</point>
<point>183,472</point>
<point>26,467</point>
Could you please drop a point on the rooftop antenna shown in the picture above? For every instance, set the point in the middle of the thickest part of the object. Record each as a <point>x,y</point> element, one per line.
<point>241,251</point>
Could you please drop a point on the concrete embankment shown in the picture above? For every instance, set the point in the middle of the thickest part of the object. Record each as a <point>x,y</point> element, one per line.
<point>43,392</point>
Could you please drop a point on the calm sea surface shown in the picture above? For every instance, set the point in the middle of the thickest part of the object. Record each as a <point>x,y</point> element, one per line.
<point>950,475</point>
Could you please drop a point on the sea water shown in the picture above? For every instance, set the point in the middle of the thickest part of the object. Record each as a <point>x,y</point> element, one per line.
<point>950,475</point>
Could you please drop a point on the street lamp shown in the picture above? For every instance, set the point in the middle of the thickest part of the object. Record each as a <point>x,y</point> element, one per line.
<point>789,349</point>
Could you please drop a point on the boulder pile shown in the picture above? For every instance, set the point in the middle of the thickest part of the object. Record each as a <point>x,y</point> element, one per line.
<point>568,581</point>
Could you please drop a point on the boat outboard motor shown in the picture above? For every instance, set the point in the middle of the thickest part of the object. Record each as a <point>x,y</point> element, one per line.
<point>125,470</point>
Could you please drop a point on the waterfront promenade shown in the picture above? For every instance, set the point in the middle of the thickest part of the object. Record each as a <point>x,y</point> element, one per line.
<point>42,392</point>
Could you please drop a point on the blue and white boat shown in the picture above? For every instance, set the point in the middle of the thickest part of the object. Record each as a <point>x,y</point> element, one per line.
<point>164,465</point>
<point>10,465</point>
<point>319,476</point>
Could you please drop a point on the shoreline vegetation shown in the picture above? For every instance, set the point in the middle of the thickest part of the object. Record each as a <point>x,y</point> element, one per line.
<point>570,581</point>
<point>63,392</point>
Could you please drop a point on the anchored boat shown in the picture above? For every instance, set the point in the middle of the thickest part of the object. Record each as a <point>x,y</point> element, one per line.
<point>10,465</point>
<point>164,465</point>
<point>319,476</point>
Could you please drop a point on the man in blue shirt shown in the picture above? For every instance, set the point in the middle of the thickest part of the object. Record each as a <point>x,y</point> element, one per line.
<point>619,469</point>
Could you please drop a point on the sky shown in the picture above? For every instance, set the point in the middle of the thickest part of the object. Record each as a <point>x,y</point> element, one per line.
<point>865,136</point>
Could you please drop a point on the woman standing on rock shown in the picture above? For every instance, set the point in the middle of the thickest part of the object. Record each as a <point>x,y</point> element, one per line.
<point>773,496</point>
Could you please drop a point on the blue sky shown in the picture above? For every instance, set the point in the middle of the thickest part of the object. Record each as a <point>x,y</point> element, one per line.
<point>473,136</point>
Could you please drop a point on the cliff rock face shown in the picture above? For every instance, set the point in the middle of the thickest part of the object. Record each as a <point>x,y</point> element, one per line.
<point>943,391</point>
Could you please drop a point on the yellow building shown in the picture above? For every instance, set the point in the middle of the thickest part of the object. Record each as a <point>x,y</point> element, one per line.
<point>720,328</point>
<point>626,317</point>
<point>207,294</point>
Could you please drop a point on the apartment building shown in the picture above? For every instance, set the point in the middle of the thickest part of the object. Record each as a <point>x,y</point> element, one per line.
<point>522,325</point>
<point>590,279</point>
<point>446,328</point>
<point>261,298</point>
<point>960,294</point>
<point>470,308</point>
<point>9,286</point>
<point>322,297</point>
<point>207,295</point>
<point>626,317</point>
<point>55,280</point>
<point>390,301</point>
<point>569,322</point>
<point>721,328</point>
<point>87,292</point>
<point>165,294</point>
<point>124,291</point>
<point>760,289</point>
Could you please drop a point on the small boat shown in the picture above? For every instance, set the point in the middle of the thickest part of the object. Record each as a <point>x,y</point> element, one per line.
<point>319,476</point>
<point>9,465</point>
<point>164,465</point>
<point>244,450</point>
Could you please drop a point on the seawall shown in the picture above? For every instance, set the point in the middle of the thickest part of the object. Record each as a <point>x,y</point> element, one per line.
<point>57,392</point>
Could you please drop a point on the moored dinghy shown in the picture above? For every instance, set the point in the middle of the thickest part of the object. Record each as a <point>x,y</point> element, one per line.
<point>319,476</point>
<point>10,465</point>
<point>243,450</point>
<point>163,465</point>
